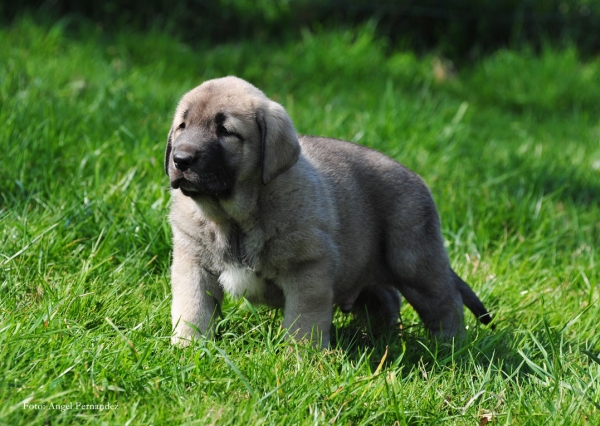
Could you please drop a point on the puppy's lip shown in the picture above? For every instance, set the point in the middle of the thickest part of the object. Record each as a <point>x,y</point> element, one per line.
<point>184,185</point>
<point>192,185</point>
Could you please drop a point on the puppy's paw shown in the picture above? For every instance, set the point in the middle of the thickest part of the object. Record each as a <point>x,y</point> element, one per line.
<point>180,341</point>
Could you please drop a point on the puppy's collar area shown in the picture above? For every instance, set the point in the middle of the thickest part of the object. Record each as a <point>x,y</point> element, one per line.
<point>236,252</point>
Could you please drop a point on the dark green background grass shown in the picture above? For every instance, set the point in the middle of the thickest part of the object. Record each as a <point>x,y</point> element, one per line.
<point>510,147</point>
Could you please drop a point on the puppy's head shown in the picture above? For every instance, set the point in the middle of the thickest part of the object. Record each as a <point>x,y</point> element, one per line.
<point>226,131</point>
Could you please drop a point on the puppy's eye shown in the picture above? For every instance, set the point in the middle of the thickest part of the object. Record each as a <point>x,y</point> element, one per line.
<point>222,131</point>
<point>181,126</point>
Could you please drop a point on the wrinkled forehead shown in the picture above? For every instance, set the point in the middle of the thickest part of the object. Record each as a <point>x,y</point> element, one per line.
<point>222,97</point>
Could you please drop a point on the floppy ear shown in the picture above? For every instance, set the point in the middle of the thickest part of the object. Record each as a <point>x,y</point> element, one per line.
<point>168,151</point>
<point>280,146</point>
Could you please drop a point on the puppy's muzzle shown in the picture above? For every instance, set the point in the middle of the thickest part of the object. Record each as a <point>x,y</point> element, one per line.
<point>198,165</point>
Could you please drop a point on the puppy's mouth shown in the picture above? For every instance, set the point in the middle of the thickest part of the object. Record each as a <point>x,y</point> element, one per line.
<point>193,185</point>
<point>185,186</point>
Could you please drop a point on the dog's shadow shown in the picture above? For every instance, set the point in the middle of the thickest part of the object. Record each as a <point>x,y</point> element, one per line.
<point>409,345</point>
<point>404,345</point>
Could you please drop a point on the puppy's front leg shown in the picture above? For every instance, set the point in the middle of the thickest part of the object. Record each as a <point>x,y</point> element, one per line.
<point>309,304</point>
<point>196,298</point>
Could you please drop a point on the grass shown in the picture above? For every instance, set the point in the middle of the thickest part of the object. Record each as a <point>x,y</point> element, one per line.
<point>509,146</point>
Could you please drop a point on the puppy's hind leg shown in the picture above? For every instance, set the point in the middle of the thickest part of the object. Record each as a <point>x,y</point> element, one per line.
<point>438,304</point>
<point>417,258</point>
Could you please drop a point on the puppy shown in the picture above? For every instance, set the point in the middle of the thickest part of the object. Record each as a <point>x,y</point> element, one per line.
<point>298,222</point>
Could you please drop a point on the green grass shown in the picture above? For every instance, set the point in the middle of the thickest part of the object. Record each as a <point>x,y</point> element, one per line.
<point>509,146</point>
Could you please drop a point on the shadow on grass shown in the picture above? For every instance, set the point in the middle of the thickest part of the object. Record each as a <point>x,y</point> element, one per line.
<point>411,346</point>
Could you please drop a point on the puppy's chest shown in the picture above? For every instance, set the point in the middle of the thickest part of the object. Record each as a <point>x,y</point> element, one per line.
<point>241,281</point>
<point>239,264</point>
<point>235,249</point>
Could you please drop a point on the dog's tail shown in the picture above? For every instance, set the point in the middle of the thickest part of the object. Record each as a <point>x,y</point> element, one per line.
<point>471,300</point>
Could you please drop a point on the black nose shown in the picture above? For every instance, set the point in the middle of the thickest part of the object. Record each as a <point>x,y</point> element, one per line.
<point>183,160</point>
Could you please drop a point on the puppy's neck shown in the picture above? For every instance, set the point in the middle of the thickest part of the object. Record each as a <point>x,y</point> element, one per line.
<point>242,207</point>
<point>239,212</point>
<point>233,232</point>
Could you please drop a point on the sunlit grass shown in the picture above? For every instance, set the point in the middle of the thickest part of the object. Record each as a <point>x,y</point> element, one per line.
<point>510,148</point>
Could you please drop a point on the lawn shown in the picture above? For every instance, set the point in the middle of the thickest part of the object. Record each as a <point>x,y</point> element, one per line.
<point>509,144</point>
